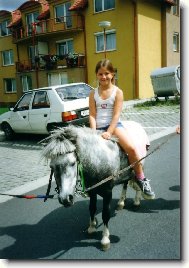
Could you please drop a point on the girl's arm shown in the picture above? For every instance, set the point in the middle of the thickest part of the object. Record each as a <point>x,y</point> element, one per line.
<point>92,110</point>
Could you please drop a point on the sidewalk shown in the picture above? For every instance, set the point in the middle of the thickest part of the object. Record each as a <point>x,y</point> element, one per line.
<point>156,120</point>
<point>22,171</point>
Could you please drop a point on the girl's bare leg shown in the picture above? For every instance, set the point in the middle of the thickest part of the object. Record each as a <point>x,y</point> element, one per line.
<point>127,145</point>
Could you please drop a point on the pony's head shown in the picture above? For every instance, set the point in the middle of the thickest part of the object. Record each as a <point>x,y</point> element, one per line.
<point>65,173</point>
<point>63,162</point>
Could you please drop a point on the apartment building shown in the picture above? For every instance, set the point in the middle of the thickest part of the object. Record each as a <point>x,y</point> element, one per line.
<point>171,35</point>
<point>52,42</point>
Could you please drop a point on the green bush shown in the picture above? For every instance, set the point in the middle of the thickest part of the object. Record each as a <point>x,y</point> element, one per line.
<point>3,110</point>
<point>169,102</point>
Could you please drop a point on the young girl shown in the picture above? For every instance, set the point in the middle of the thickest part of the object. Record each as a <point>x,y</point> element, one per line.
<point>105,106</point>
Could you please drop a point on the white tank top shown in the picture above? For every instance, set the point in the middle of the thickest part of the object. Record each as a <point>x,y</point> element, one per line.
<point>104,108</point>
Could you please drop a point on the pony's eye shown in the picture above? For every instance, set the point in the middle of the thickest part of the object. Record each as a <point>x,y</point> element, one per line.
<point>52,167</point>
<point>72,164</point>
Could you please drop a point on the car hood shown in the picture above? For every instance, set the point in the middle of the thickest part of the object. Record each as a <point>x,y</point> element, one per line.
<point>4,116</point>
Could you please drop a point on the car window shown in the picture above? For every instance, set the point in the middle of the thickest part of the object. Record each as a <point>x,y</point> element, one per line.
<point>24,103</point>
<point>40,100</point>
<point>73,92</point>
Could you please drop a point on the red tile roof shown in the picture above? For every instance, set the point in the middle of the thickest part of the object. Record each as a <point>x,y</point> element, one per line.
<point>172,2</point>
<point>45,14</point>
<point>4,13</point>
<point>79,4</point>
<point>16,18</point>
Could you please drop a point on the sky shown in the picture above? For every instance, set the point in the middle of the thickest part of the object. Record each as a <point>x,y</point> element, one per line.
<point>11,4</point>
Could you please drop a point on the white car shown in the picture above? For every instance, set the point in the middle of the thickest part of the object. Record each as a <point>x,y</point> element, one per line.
<point>41,110</point>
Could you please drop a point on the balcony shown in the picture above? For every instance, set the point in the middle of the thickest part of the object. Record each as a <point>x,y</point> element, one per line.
<point>48,27</point>
<point>51,62</point>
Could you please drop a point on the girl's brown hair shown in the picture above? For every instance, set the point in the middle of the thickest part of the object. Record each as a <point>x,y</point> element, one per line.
<point>105,63</point>
<point>108,65</point>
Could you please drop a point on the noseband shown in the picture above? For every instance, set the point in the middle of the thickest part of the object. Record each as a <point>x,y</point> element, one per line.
<point>80,183</point>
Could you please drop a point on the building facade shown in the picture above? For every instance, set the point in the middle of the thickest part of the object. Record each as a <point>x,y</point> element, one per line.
<point>52,42</point>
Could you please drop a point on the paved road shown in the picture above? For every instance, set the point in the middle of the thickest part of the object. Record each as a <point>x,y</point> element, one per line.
<point>32,229</point>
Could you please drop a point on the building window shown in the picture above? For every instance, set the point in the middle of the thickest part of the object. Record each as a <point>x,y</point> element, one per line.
<point>3,28</point>
<point>26,83</point>
<point>176,42</point>
<point>62,14</point>
<point>7,57</point>
<point>32,26</point>
<point>57,78</point>
<point>64,47</point>
<point>176,8</point>
<point>10,85</point>
<point>33,52</point>
<point>102,5</point>
<point>110,41</point>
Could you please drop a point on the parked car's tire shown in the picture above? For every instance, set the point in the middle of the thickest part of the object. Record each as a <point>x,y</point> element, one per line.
<point>9,133</point>
<point>51,127</point>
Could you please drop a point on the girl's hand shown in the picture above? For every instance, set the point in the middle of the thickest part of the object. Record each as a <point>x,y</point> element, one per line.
<point>106,135</point>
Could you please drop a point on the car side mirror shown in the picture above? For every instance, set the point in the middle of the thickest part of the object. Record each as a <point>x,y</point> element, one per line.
<point>13,109</point>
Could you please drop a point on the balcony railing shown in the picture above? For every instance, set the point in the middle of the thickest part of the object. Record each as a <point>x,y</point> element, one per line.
<point>51,62</point>
<point>59,24</point>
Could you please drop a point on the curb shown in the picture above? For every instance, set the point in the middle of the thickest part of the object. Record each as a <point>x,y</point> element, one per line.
<point>163,133</point>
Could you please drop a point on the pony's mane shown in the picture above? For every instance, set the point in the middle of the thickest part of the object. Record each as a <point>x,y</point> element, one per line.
<point>98,156</point>
<point>57,144</point>
<point>69,139</point>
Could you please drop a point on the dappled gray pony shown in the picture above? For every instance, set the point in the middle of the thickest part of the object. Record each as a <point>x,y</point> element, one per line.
<point>100,158</point>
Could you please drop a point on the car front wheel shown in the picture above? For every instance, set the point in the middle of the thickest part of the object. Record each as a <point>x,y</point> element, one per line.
<point>9,133</point>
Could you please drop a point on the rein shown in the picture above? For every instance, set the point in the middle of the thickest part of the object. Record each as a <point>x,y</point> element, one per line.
<point>117,174</point>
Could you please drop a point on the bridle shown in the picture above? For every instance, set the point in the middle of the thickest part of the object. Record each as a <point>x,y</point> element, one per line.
<point>80,184</point>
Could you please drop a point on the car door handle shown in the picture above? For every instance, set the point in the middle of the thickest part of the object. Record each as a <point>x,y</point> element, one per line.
<point>45,115</point>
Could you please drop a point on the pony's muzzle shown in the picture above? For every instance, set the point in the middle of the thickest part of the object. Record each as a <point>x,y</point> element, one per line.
<point>66,202</point>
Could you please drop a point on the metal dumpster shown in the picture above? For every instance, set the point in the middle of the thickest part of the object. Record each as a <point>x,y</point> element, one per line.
<point>166,81</point>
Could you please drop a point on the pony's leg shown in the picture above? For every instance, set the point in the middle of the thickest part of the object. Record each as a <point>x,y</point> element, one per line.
<point>137,198</point>
<point>121,202</point>
<point>138,194</point>
<point>92,209</point>
<point>105,242</point>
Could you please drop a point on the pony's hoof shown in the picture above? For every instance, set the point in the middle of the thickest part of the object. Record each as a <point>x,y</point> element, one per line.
<point>92,226</point>
<point>91,230</point>
<point>148,197</point>
<point>105,242</point>
<point>120,206</point>
<point>105,246</point>
<point>136,203</point>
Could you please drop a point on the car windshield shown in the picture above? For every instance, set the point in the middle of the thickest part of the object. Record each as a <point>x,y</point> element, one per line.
<point>73,92</point>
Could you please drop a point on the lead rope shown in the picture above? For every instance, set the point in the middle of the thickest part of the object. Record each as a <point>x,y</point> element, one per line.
<point>49,186</point>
